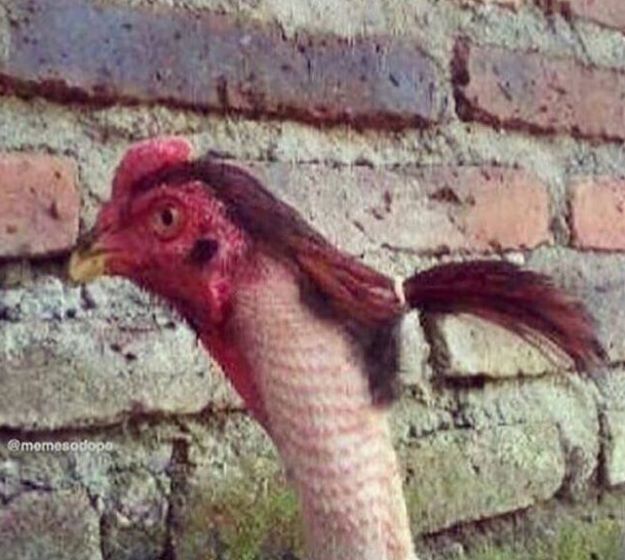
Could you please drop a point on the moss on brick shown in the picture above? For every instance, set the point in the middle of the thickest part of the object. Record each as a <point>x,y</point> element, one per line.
<point>459,476</point>
<point>253,515</point>
<point>268,521</point>
<point>601,540</point>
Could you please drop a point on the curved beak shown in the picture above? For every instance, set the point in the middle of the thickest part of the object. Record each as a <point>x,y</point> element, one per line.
<point>89,260</point>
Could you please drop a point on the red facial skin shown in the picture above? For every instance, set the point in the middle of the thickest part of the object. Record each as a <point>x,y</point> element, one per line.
<point>154,253</point>
<point>149,238</point>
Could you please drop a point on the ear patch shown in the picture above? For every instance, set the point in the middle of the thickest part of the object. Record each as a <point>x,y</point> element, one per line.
<point>203,251</point>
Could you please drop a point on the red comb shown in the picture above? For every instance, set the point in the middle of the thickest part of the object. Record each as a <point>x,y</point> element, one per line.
<point>147,157</point>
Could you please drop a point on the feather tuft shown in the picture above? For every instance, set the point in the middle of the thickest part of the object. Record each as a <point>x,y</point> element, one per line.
<point>521,301</point>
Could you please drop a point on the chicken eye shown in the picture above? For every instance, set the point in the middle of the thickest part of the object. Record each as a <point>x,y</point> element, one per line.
<point>167,217</point>
<point>167,221</point>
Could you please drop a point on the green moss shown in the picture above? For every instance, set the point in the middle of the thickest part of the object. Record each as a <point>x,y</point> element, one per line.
<point>603,540</point>
<point>254,516</point>
<point>266,520</point>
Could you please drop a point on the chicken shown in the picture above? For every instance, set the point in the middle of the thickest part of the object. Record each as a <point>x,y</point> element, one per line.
<point>304,332</point>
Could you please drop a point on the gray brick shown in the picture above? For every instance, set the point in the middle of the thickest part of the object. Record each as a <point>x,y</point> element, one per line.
<point>460,475</point>
<point>52,525</point>
<point>597,279</point>
<point>62,363</point>
<point>614,421</point>
<point>76,50</point>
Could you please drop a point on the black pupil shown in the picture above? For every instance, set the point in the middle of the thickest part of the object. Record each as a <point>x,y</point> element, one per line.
<point>167,217</point>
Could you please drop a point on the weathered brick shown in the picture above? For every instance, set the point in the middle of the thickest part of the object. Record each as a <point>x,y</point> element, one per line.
<point>611,385</point>
<point>60,525</point>
<point>565,400</point>
<point>39,204</point>
<point>137,527</point>
<point>530,91</point>
<point>614,422</point>
<point>68,360</point>
<point>598,213</point>
<point>80,373</point>
<point>210,61</point>
<point>428,210</point>
<point>597,279</point>
<point>516,4</point>
<point>129,482</point>
<point>460,476</point>
<point>413,352</point>
<point>471,347</point>
<point>225,502</point>
<point>610,13</point>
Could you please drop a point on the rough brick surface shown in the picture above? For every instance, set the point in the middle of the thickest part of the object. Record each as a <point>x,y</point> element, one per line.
<point>234,482</point>
<point>533,92</point>
<point>88,359</point>
<point>614,422</point>
<point>74,49</point>
<point>127,484</point>
<point>564,400</point>
<point>471,347</point>
<point>611,385</point>
<point>481,474</point>
<point>60,525</point>
<point>516,4</point>
<point>135,373</point>
<point>137,528</point>
<point>413,352</point>
<point>598,213</point>
<point>610,13</point>
<point>429,210</point>
<point>597,279</point>
<point>39,205</point>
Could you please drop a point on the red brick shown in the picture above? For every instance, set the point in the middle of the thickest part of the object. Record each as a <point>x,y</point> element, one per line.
<point>39,205</point>
<point>73,49</point>
<point>598,213</point>
<point>431,210</point>
<point>610,13</point>
<point>533,92</point>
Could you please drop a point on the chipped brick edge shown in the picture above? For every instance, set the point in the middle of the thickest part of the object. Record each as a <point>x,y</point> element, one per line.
<point>469,112</point>
<point>331,57</point>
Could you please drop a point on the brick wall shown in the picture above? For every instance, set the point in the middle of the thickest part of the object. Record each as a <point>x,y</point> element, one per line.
<point>410,133</point>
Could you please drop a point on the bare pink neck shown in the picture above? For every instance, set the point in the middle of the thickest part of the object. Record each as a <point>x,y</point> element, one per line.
<point>314,395</point>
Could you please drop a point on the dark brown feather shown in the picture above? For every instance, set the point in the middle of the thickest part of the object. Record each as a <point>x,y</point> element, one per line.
<point>521,301</point>
<point>350,285</point>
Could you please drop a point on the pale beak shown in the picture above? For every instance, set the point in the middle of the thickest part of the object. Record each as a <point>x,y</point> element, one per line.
<point>88,261</point>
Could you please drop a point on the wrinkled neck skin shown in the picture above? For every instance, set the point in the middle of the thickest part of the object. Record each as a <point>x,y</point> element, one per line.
<point>302,375</point>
